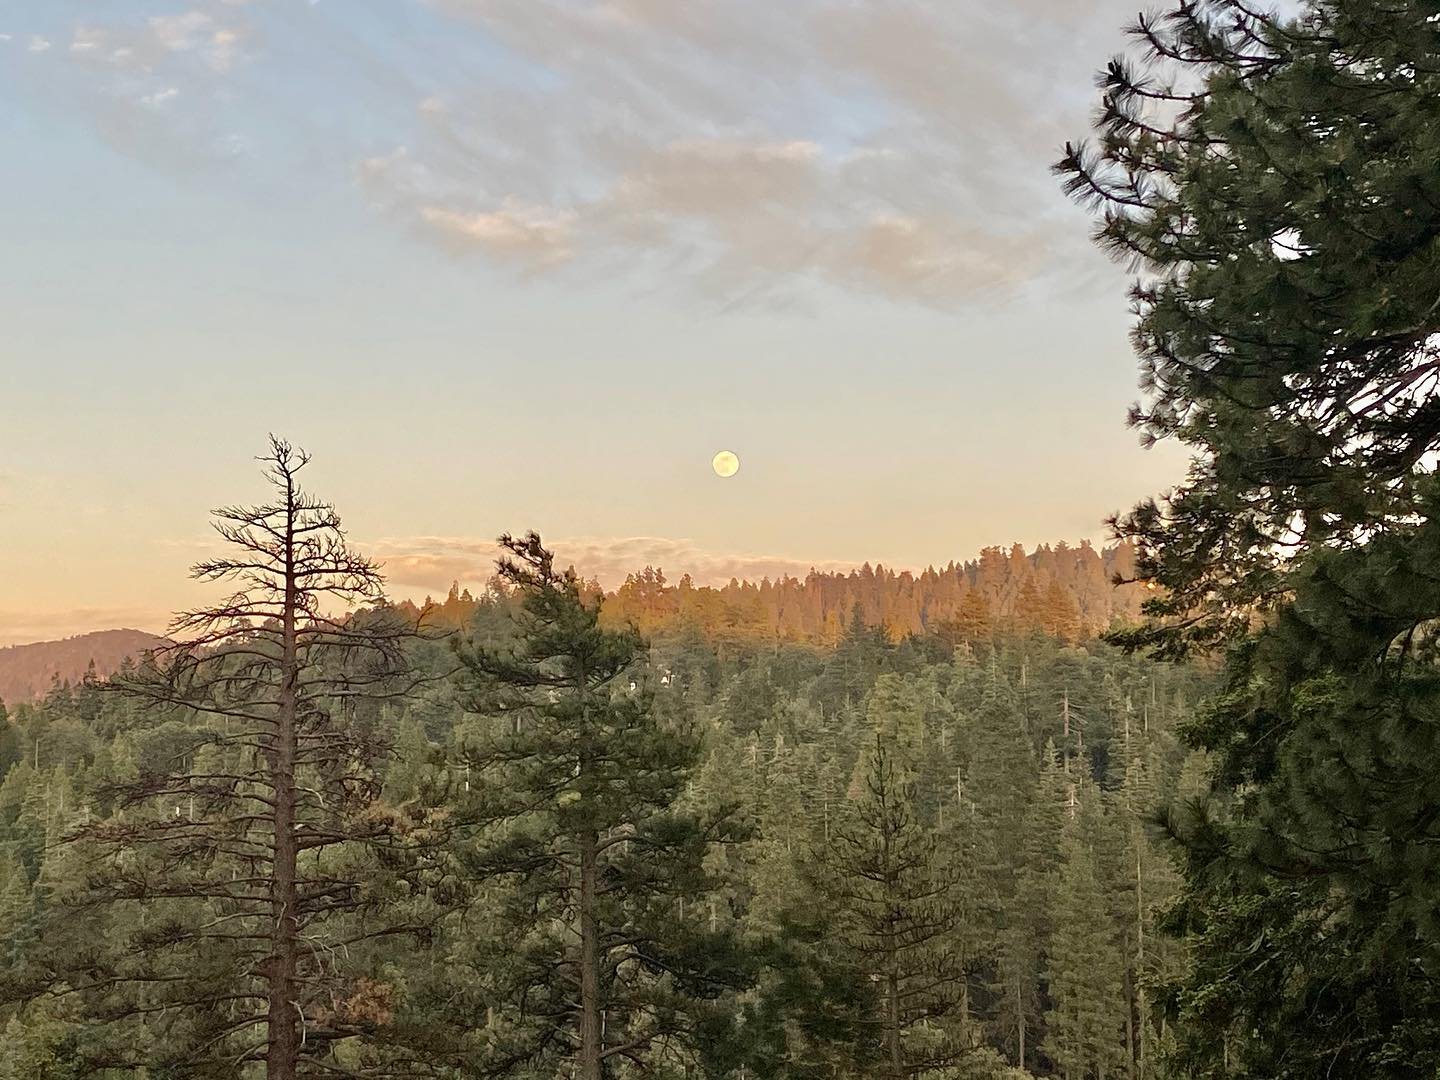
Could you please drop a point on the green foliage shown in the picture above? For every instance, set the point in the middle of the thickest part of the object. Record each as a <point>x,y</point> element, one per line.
<point>737,785</point>
<point>1085,966</point>
<point>1274,177</point>
<point>894,910</point>
<point>576,796</point>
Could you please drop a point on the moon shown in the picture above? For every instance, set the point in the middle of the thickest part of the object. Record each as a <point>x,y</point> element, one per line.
<point>725,463</point>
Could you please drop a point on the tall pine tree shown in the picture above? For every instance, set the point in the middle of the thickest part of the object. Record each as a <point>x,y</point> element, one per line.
<point>1273,174</point>
<point>608,953</point>
<point>894,909</point>
<point>220,919</point>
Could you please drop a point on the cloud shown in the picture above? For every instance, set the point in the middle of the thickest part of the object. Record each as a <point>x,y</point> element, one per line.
<point>87,39</point>
<point>160,97</point>
<point>750,149</point>
<point>429,564</point>
<point>742,151</point>
<point>180,32</point>
<point>196,40</point>
<point>534,235</point>
<point>197,32</point>
<point>155,86</point>
<point>730,213</point>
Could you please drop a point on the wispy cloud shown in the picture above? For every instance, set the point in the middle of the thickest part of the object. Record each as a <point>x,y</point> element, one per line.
<point>734,215</point>
<point>535,236</point>
<point>750,148</point>
<point>746,151</point>
<point>126,71</point>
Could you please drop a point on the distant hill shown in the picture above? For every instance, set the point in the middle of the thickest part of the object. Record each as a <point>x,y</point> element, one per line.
<point>26,671</point>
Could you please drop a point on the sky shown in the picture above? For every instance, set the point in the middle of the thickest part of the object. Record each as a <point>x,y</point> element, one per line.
<point>512,264</point>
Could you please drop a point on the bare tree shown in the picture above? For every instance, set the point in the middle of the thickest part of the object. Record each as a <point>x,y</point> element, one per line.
<point>247,876</point>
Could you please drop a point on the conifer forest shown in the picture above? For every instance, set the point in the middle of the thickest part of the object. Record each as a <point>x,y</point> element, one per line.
<point>511,836</point>
<point>1165,806</point>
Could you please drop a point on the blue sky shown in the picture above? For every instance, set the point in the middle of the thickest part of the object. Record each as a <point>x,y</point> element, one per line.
<point>504,264</point>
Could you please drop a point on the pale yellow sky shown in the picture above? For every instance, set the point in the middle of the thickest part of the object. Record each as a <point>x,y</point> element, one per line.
<point>496,281</point>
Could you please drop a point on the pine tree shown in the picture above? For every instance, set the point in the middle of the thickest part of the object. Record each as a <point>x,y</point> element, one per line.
<point>1084,1034</point>
<point>221,900</point>
<point>894,909</point>
<point>1287,331</point>
<point>1037,883</point>
<point>577,799</point>
<point>998,782</point>
<point>16,904</point>
<point>1273,175</point>
<point>1328,728</point>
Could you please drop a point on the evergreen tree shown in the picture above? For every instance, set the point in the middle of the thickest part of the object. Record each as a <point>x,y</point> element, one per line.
<point>1329,852</point>
<point>999,783</point>
<point>894,909</point>
<point>1273,174</point>
<point>470,994</point>
<point>1084,1024</point>
<point>10,750</point>
<point>578,792</point>
<point>220,903</point>
<point>1033,909</point>
<point>1285,216</point>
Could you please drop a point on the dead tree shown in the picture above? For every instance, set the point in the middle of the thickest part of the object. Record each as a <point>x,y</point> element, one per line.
<point>241,886</point>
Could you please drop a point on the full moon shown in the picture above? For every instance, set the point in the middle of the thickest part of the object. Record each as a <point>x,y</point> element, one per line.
<point>725,463</point>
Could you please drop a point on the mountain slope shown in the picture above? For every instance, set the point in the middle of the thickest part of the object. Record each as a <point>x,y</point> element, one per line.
<point>26,671</point>
<point>1064,591</point>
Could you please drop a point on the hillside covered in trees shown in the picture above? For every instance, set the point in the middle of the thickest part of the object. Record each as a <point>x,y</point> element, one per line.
<point>1062,591</point>
<point>290,844</point>
<point>28,671</point>
<point>870,858</point>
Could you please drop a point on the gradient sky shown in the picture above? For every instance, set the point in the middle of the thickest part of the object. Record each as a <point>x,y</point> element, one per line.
<point>503,264</point>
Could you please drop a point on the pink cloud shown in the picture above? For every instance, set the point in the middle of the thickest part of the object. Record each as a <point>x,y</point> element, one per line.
<point>430,563</point>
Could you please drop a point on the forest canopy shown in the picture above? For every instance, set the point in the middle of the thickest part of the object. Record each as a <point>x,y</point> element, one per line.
<point>527,839</point>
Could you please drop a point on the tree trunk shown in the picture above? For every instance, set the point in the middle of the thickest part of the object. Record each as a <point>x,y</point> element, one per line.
<point>892,959</point>
<point>1140,952</point>
<point>1020,1024</point>
<point>592,1031</point>
<point>590,1034</point>
<point>1129,1023</point>
<point>283,1047</point>
<point>892,1013</point>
